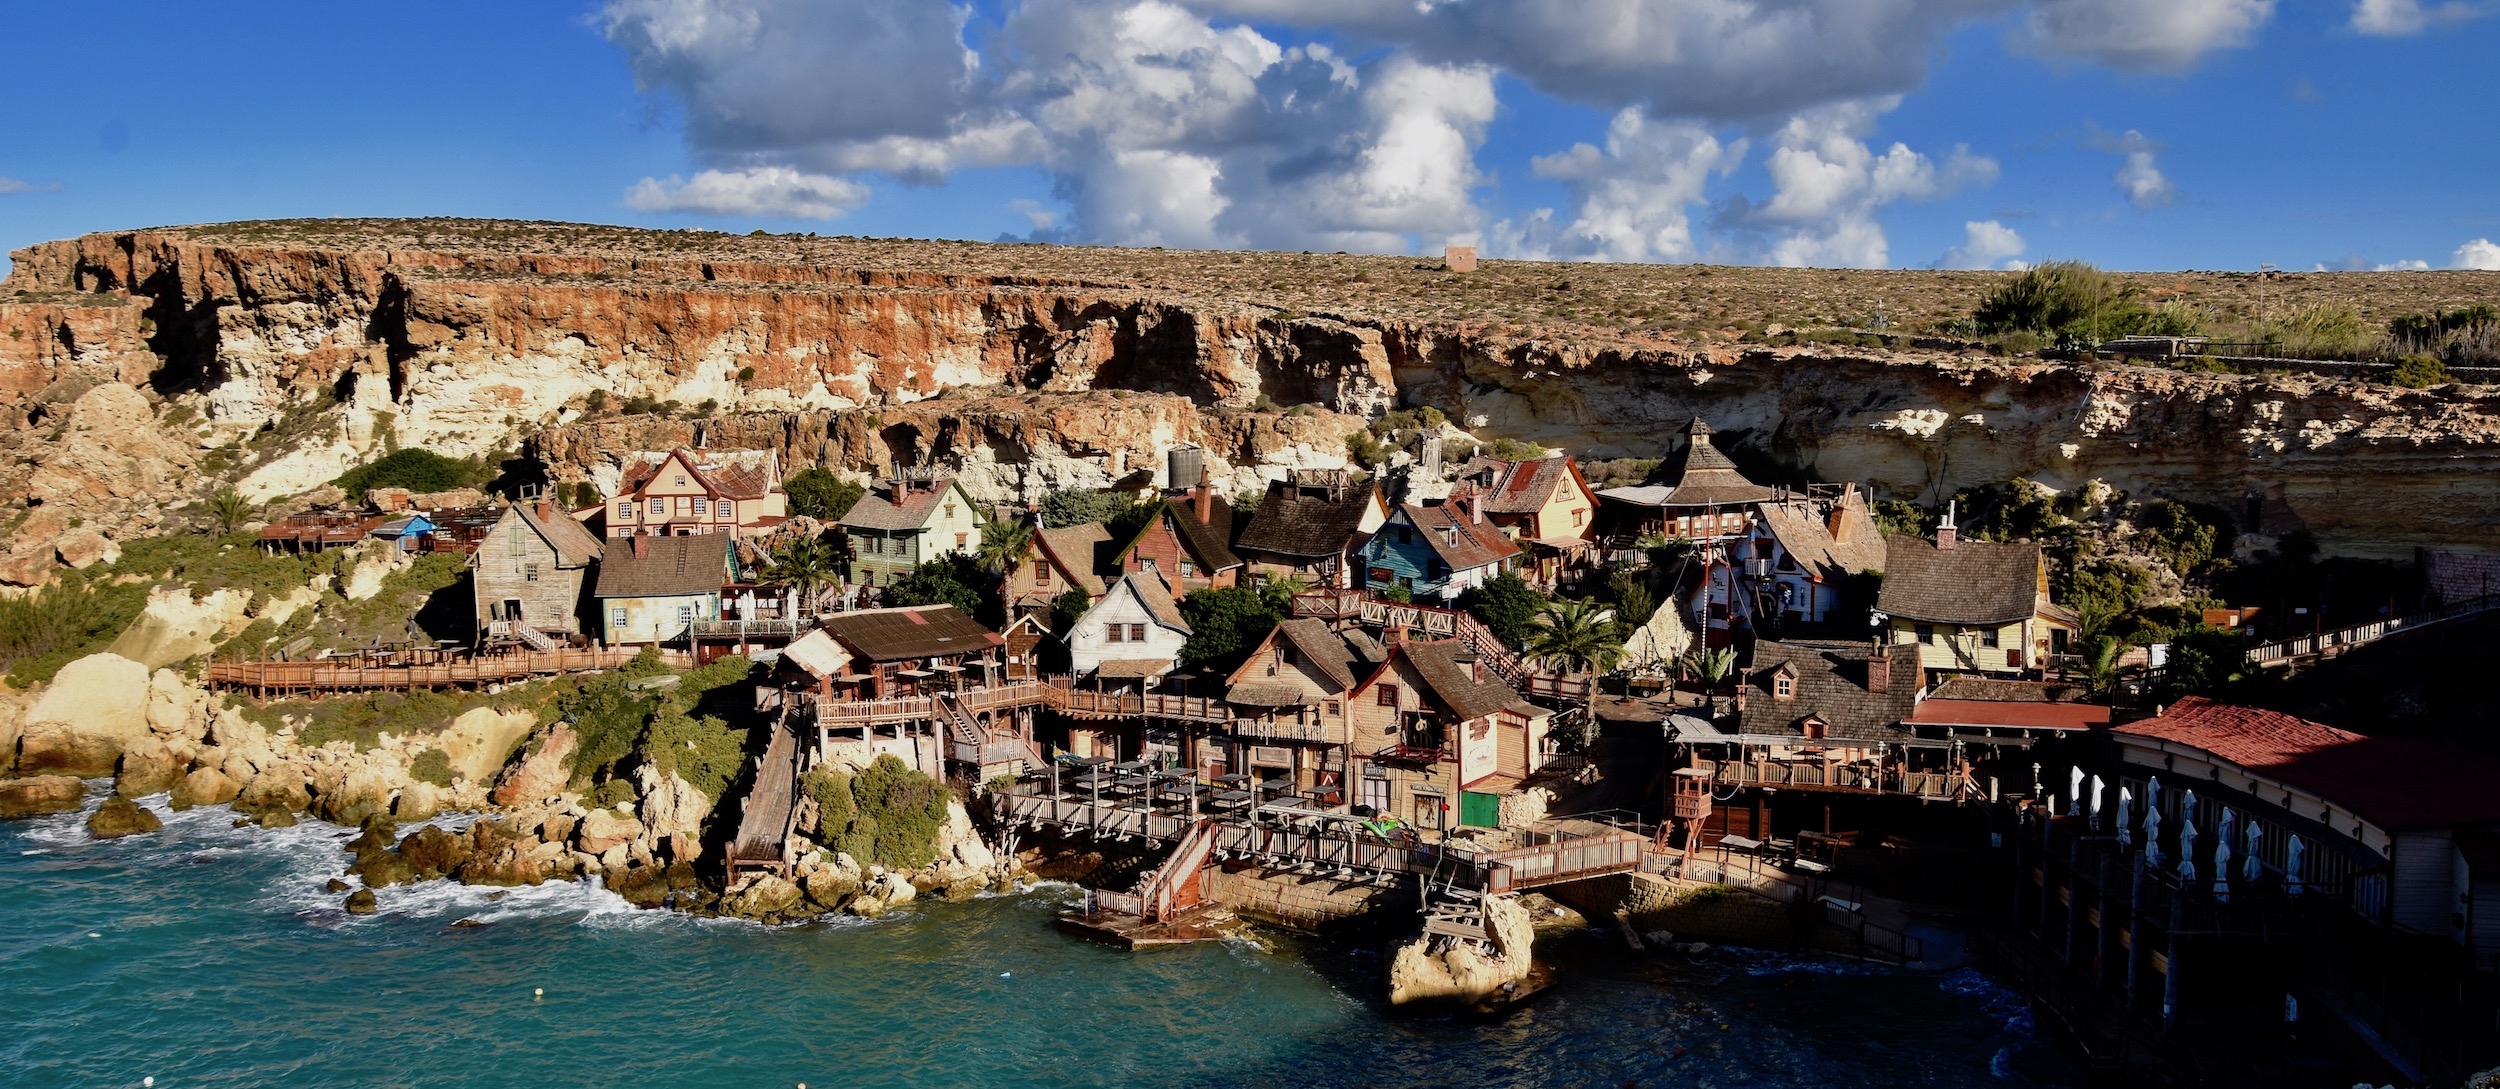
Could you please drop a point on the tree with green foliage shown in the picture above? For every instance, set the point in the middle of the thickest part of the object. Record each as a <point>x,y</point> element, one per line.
<point>2204,659</point>
<point>1711,667</point>
<point>1507,606</point>
<point>885,814</point>
<point>815,492</point>
<point>806,564</point>
<point>2100,661</point>
<point>416,469</point>
<point>948,580</point>
<point>1629,593</point>
<point>1227,621</point>
<point>1067,608</point>
<point>1903,517</point>
<point>229,508</point>
<point>1064,507</point>
<point>1003,543</point>
<point>2184,535</point>
<point>2419,372</point>
<point>1577,636</point>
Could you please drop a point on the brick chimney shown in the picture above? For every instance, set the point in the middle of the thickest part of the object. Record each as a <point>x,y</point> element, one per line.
<point>1473,504</point>
<point>640,544</point>
<point>1945,533</point>
<point>1879,669</point>
<point>1834,523</point>
<point>546,510</point>
<point>1202,497</point>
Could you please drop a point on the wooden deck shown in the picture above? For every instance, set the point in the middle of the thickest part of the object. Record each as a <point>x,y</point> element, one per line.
<point>771,809</point>
<point>1132,932</point>
<point>369,673</point>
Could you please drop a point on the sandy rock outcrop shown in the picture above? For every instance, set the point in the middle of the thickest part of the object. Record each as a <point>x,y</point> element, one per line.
<point>282,787</point>
<point>148,766</point>
<point>1461,973</point>
<point>85,548</point>
<point>601,831</point>
<point>175,626</point>
<point>672,813</point>
<point>36,795</point>
<point>205,786</point>
<point>93,709</point>
<point>544,772</point>
<point>483,739</point>
<point>108,464</point>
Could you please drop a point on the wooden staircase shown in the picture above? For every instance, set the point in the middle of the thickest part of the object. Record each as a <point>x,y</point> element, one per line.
<point>771,810</point>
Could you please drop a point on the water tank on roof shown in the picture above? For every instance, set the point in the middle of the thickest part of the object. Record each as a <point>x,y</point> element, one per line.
<point>1183,464</point>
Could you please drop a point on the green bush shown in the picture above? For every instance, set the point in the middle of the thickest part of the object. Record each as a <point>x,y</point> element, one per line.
<point>607,716</point>
<point>431,766</point>
<point>947,580</point>
<point>816,493</point>
<point>887,814</point>
<point>1510,449</point>
<point>1227,621</point>
<point>1507,605</point>
<point>2419,372</point>
<point>61,623</point>
<point>614,792</point>
<point>2050,297</point>
<point>415,469</point>
<point>702,750</point>
<point>1064,507</point>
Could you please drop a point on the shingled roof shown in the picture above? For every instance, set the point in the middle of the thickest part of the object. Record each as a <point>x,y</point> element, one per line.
<point>1324,649</point>
<point>1973,582</point>
<point>1516,487</point>
<point>914,631</point>
<point>886,512</point>
<point>1831,684</point>
<point>1306,522</point>
<point>1807,533</point>
<point>1449,680</point>
<point>1155,592</point>
<point>1076,551</point>
<point>738,474</point>
<point>575,545</point>
<point>1462,544</point>
<point>664,566</point>
<point>1697,476</point>
<point>2396,783</point>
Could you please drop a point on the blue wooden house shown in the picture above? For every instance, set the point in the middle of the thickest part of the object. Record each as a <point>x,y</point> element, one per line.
<point>409,531</point>
<point>1437,551</point>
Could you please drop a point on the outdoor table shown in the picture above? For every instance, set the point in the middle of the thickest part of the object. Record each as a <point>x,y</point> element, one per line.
<point>1234,779</point>
<point>1131,766</point>
<point>1231,798</point>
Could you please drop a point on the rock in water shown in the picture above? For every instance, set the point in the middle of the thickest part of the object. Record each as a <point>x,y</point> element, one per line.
<point>93,708</point>
<point>361,902</point>
<point>433,852</point>
<point>120,817</point>
<point>39,795</point>
<point>205,786</point>
<point>542,774</point>
<point>335,885</point>
<point>762,897</point>
<point>147,767</point>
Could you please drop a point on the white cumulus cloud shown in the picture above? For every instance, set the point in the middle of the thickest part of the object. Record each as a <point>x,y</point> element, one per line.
<point>770,192</point>
<point>1985,242</point>
<point>2399,18</point>
<point>1630,201</point>
<point>1829,184</point>
<point>2139,176</point>
<point>9,185</point>
<point>2482,254</point>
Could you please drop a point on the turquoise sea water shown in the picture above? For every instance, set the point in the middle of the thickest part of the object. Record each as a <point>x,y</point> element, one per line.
<point>210,956</point>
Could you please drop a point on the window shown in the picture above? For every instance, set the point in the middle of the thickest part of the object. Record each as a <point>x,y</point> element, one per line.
<point>616,617</point>
<point>1112,632</point>
<point>1333,710</point>
<point>1388,695</point>
<point>625,508</point>
<point>1988,638</point>
<point>962,539</point>
<point>1784,687</point>
<point>530,571</point>
<point>1189,570</point>
<point>1813,729</point>
<point>1041,574</point>
<point>685,614</point>
<point>1405,535</point>
<point>1926,633</point>
<point>701,507</point>
<point>681,482</point>
<point>1137,633</point>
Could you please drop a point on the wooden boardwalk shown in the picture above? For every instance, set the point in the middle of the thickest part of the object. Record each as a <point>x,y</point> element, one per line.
<point>2330,643</point>
<point>402,672</point>
<point>771,809</point>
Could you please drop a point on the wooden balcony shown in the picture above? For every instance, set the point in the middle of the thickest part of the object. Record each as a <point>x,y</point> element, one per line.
<point>1083,704</point>
<point>1286,729</point>
<point>766,628</point>
<point>1412,754</point>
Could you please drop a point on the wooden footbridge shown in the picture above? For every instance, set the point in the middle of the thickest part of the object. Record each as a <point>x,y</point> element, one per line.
<point>2327,644</point>
<point>401,670</point>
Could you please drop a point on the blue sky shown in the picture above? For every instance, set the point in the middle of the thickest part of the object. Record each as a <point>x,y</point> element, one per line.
<point>1908,133</point>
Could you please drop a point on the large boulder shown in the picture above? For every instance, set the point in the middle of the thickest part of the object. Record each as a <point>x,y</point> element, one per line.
<point>1463,973</point>
<point>481,741</point>
<point>93,708</point>
<point>174,707</point>
<point>502,854</point>
<point>418,800</point>
<point>41,794</point>
<point>602,831</point>
<point>542,774</point>
<point>175,626</point>
<point>119,816</point>
<point>280,787</point>
<point>764,897</point>
<point>672,814</point>
<point>85,548</point>
<point>384,868</point>
<point>363,793</point>
<point>147,767</point>
<point>205,786</point>
<point>433,852</point>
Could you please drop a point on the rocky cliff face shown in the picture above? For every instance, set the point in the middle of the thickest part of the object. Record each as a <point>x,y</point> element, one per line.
<point>335,344</point>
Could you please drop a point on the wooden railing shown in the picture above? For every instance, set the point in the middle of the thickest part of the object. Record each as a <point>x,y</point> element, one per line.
<point>768,628</point>
<point>1882,780</point>
<point>1077,701</point>
<point>1274,729</point>
<point>1568,858</point>
<point>2308,646</point>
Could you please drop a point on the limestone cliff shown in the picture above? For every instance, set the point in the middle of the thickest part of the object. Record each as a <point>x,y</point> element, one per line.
<point>276,355</point>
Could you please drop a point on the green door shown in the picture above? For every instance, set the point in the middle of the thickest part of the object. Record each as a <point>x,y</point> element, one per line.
<point>1479,810</point>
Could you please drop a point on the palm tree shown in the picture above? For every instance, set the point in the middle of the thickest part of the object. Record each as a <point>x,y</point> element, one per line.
<point>1003,544</point>
<point>804,563</point>
<point>1578,636</point>
<point>1712,666</point>
<point>229,508</point>
<point>2100,661</point>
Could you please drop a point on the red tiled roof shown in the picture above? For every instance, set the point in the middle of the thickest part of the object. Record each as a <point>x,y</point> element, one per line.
<point>2028,714</point>
<point>2394,782</point>
<point>1462,544</point>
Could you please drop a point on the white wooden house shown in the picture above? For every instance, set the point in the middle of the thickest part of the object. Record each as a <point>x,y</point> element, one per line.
<point>1134,633</point>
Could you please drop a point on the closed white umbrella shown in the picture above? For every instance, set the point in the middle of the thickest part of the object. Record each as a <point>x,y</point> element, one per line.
<point>2295,865</point>
<point>2096,803</point>
<point>2074,792</point>
<point>2126,814</point>
<point>2222,855</point>
<point>2152,822</point>
<point>2187,844</point>
<point>2253,868</point>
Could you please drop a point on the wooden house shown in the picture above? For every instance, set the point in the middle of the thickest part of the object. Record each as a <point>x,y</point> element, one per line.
<point>529,576</point>
<point>1447,739</point>
<point>1972,606</point>
<point>909,681</point>
<point>1801,553</point>
<point>654,590</point>
<point>1544,505</point>
<point>1437,551</point>
<point>408,532</point>
<point>1056,561</point>
<point>1288,703</point>
<point>1311,526</point>
<point>1133,634</point>
<point>1697,494</point>
<point>681,492</point>
<point>1189,541</point>
<point>909,520</point>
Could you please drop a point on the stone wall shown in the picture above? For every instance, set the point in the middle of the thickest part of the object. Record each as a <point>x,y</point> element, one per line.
<point>1301,903</point>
